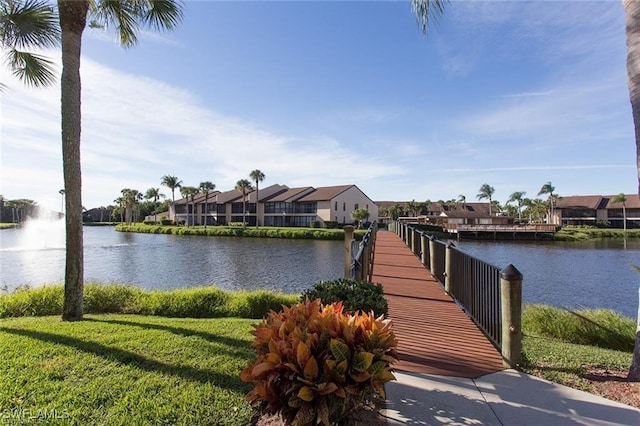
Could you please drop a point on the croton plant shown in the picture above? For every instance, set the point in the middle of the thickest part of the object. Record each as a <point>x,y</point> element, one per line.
<point>315,363</point>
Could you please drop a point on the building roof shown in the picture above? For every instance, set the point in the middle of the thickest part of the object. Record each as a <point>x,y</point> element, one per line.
<point>581,202</point>
<point>633,202</point>
<point>290,195</point>
<point>325,193</point>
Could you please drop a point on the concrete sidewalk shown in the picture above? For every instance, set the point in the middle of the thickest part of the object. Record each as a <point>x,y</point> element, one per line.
<point>505,398</point>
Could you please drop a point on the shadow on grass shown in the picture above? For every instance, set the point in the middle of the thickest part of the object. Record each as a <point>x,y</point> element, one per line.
<point>226,381</point>
<point>241,348</point>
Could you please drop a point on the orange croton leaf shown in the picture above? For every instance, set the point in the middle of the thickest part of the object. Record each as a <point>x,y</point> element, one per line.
<point>323,413</point>
<point>360,377</point>
<point>261,369</point>
<point>302,353</point>
<point>311,369</point>
<point>273,357</point>
<point>306,393</point>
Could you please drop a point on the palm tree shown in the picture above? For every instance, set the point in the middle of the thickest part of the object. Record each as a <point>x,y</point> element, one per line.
<point>206,187</point>
<point>243,186</point>
<point>172,182</point>
<point>31,23</point>
<point>486,193</point>
<point>154,194</point>
<point>548,188</point>
<point>517,197</point>
<point>360,215</point>
<point>61,192</point>
<point>621,198</point>
<point>463,199</point>
<point>189,193</point>
<point>257,176</point>
<point>632,17</point>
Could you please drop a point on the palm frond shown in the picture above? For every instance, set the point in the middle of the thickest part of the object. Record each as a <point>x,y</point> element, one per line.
<point>427,11</point>
<point>28,24</point>
<point>162,14</point>
<point>34,70</point>
<point>120,16</point>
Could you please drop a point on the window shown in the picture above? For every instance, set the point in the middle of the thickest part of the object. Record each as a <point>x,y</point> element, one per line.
<point>344,207</point>
<point>355,207</point>
<point>336,207</point>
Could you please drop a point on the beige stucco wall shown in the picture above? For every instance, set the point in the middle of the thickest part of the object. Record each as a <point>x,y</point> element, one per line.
<point>346,203</point>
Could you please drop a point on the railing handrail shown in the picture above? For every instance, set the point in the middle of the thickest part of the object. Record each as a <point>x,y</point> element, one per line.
<point>491,298</point>
<point>361,255</point>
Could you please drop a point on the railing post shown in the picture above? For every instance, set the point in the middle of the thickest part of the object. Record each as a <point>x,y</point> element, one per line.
<point>424,240</point>
<point>348,236</point>
<point>413,241</point>
<point>511,307</point>
<point>448,261</point>
<point>432,260</point>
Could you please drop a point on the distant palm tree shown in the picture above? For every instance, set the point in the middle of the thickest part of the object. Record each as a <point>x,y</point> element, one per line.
<point>173,183</point>
<point>257,176</point>
<point>206,187</point>
<point>189,193</point>
<point>548,188</point>
<point>621,198</point>
<point>360,215</point>
<point>517,197</point>
<point>243,186</point>
<point>486,193</point>
<point>154,194</point>
<point>463,200</point>
<point>61,192</point>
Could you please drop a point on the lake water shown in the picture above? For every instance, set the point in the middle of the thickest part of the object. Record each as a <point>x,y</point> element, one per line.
<point>572,275</point>
<point>35,255</point>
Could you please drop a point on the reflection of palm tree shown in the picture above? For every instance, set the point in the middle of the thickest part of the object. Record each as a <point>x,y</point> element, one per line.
<point>206,187</point>
<point>257,176</point>
<point>486,193</point>
<point>621,198</point>
<point>243,186</point>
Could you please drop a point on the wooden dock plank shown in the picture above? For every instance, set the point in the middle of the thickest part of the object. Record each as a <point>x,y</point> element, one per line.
<point>434,334</point>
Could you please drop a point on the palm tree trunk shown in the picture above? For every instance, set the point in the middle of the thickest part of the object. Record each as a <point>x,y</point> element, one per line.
<point>632,17</point>
<point>73,17</point>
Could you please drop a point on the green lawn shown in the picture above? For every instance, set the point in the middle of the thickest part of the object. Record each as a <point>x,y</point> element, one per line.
<point>125,370</point>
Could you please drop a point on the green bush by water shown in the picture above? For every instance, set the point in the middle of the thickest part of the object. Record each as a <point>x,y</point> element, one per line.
<point>233,231</point>
<point>595,327</point>
<point>200,302</point>
<point>355,295</point>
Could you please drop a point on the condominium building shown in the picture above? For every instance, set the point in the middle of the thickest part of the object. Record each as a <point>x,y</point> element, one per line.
<point>278,205</point>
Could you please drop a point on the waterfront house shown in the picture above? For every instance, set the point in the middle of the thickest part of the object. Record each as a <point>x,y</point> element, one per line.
<point>596,210</point>
<point>278,205</point>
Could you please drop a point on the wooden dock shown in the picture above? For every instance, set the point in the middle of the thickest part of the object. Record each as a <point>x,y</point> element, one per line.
<point>434,334</point>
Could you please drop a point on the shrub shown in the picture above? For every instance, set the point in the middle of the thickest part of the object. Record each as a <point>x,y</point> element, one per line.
<point>355,295</point>
<point>27,301</point>
<point>165,222</point>
<point>315,363</point>
<point>330,224</point>
<point>595,327</point>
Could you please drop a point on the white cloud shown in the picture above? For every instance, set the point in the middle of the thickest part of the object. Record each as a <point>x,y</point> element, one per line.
<point>136,129</point>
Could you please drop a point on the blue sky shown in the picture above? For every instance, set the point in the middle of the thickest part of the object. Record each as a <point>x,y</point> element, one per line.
<point>513,94</point>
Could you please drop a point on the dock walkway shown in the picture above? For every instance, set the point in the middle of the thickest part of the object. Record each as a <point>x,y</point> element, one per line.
<point>434,334</point>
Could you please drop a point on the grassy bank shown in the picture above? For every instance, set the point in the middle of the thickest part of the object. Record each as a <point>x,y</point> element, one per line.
<point>201,302</point>
<point>237,231</point>
<point>124,370</point>
<point>584,233</point>
<point>8,225</point>
<point>562,346</point>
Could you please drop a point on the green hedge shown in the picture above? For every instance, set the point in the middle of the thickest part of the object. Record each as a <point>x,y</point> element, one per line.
<point>232,231</point>
<point>200,302</point>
